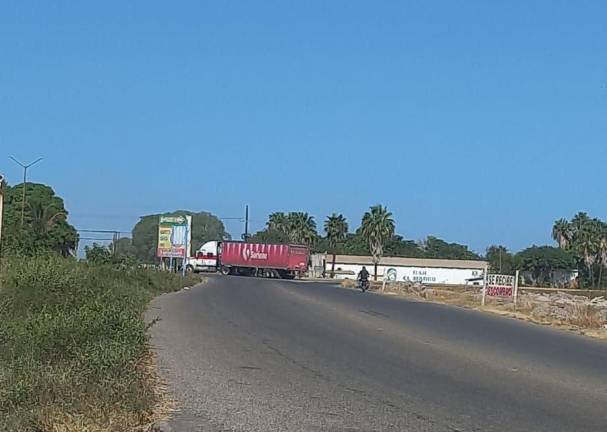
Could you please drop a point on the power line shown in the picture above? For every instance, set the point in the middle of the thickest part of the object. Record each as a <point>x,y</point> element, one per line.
<point>103,231</point>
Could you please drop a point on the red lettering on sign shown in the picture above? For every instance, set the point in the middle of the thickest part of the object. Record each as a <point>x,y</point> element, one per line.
<point>499,291</point>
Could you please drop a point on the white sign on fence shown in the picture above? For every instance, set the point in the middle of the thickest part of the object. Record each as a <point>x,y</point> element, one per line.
<point>498,285</point>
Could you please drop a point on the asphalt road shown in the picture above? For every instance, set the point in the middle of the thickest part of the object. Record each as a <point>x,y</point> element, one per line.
<point>244,354</point>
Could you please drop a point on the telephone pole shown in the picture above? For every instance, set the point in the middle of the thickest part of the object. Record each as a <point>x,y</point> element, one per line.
<point>246,223</point>
<point>25,167</point>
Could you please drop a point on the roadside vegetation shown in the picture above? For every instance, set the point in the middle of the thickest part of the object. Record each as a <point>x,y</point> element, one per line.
<point>74,352</point>
<point>581,245</point>
<point>73,345</point>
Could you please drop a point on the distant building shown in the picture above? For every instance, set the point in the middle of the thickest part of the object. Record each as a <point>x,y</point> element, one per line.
<point>558,278</point>
<point>423,270</point>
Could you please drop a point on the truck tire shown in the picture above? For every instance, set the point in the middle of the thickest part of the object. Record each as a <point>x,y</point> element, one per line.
<point>225,270</point>
<point>189,269</point>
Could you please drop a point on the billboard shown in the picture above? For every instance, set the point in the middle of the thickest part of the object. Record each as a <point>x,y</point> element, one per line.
<point>174,236</point>
<point>498,285</point>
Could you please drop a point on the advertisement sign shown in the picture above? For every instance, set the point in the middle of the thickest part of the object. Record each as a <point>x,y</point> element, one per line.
<point>174,236</point>
<point>498,285</point>
<point>424,275</point>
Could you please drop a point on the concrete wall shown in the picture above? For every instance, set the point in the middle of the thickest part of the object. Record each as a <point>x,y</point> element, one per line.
<point>426,275</point>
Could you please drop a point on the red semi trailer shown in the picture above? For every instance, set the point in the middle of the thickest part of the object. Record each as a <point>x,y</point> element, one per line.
<point>259,259</point>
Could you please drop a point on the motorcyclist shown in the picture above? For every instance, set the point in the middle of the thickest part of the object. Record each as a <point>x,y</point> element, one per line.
<point>363,277</point>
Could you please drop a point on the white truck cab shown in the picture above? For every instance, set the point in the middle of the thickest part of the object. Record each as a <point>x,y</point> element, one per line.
<point>204,259</point>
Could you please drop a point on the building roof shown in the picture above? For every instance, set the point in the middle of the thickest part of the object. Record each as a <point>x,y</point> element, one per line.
<point>409,262</point>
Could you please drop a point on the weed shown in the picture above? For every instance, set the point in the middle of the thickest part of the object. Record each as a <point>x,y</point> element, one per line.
<point>72,338</point>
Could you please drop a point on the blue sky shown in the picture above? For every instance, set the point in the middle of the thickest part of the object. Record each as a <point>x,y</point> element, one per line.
<point>478,122</point>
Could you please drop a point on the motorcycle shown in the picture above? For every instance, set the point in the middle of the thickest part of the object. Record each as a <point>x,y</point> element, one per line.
<point>363,285</point>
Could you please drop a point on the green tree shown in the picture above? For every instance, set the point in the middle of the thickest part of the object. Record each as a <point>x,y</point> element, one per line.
<point>205,227</point>
<point>336,228</point>
<point>355,244</point>
<point>500,260</point>
<point>301,228</point>
<point>377,228</point>
<point>98,254</point>
<point>439,249</point>
<point>270,235</point>
<point>293,227</point>
<point>541,261</point>
<point>587,244</point>
<point>123,247</point>
<point>45,227</point>
<point>583,237</point>
<point>602,254</point>
<point>561,233</point>
<point>279,222</point>
<point>397,246</point>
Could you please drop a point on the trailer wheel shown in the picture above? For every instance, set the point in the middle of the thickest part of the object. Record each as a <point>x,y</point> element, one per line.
<point>225,270</point>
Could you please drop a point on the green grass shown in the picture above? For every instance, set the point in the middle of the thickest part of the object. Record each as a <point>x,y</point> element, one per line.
<point>73,345</point>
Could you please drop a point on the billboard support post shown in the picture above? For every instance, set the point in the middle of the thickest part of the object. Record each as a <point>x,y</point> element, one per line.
<point>516,288</point>
<point>484,286</point>
<point>186,250</point>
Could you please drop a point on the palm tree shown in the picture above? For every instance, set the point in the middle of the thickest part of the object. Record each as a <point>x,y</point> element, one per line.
<point>587,244</point>
<point>562,233</point>
<point>336,228</point>
<point>278,221</point>
<point>45,218</point>
<point>377,227</point>
<point>301,228</point>
<point>578,223</point>
<point>602,253</point>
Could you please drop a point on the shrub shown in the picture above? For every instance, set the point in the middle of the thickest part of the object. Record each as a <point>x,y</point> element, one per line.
<point>72,343</point>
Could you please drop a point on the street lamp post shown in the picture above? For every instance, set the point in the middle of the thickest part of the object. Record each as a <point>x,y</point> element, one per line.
<point>25,167</point>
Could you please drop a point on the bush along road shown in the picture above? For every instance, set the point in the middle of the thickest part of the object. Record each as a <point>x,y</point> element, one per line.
<point>73,345</point>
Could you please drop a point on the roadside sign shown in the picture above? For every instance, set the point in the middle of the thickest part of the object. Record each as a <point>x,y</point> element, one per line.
<point>174,236</point>
<point>498,285</point>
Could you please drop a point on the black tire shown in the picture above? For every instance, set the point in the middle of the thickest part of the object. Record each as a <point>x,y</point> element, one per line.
<point>225,270</point>
<point>189,269</point>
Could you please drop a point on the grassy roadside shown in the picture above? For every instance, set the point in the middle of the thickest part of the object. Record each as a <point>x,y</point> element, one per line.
<point>73,345</point>
<point>581,319</point>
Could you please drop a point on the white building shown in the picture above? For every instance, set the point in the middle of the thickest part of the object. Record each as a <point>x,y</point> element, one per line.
<point>424,270</point>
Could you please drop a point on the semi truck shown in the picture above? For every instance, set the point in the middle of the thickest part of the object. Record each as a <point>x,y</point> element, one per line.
<point>285,261</point>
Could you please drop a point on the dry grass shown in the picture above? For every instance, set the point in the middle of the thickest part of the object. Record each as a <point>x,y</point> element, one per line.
<point>75,355</point>
<point>582,318</point>
<point>585,316</point>
<point>348,283</point>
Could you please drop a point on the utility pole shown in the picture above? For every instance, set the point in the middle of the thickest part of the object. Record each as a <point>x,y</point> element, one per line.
<point>246,223</point>
<point>25,167</point>
<point>500,259</point>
